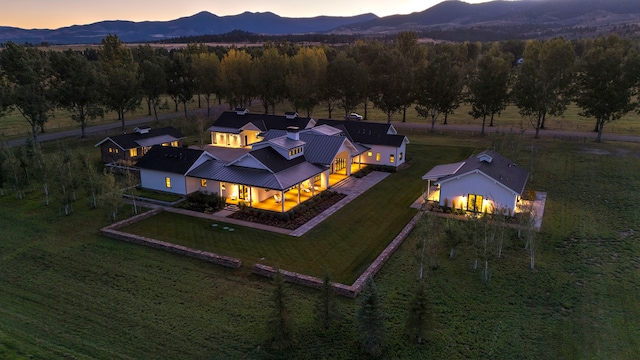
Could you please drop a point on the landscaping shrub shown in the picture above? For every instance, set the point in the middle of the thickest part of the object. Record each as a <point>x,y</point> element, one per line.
<point>203,202</point>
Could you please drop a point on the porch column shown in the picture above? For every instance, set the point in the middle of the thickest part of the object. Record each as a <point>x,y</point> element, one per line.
<point>299,188</point>
<point>349,162</point>
<point>359,161</point>
<point>313,187</point>
<point>250,196</point>
<point>326,179</point>
<point>282,200</point>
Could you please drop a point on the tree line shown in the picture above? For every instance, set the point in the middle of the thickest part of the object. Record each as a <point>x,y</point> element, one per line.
<point>540,77</point>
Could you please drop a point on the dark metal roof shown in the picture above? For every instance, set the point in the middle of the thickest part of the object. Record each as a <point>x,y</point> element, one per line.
<point>129,141</point>
<point>365,132</point>
<point>283,180</point>
<point>273,160</point>
<point>265,122</point>
<point>318,149</point>
<point>500,169</point>
<point>169,159</point>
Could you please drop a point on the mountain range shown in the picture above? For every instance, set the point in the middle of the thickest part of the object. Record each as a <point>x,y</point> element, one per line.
<point>498,19</point>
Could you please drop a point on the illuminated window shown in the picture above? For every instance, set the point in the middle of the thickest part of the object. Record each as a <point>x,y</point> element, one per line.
<point>474,203</point>
<point>174,143</point>
<point>167,182</point>
<point>203,182</point>
<point>369,154</point>
<point>133,152</point>
<point>165,144</point>
<point>400,156</point>
<point>377,156</point>
<point>113,150</point>
<point>391,158</point>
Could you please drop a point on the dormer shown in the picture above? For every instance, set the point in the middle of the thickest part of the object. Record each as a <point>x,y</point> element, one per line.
<point>242,111</point>
<point>142,129</point>
<point>291,115</point>
<point>484,157</point>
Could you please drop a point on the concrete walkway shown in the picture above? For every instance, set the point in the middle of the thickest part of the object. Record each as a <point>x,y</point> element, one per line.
<point>350,186</point>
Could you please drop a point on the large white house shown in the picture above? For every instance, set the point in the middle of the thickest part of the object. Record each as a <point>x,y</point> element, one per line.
<point>486,182</point>
<point>273,162</point>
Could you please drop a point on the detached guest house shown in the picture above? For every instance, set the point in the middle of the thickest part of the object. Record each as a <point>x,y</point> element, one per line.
<point>486,182</point>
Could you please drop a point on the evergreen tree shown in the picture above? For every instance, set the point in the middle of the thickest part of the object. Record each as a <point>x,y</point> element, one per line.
<point>420,318</point>
<point>326,307</point>
<point>371,330</point>
<point>280,325</point>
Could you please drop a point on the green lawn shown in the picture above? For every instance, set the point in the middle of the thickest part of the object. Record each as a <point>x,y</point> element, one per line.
<point>66,292</point>
<point>345,244</point>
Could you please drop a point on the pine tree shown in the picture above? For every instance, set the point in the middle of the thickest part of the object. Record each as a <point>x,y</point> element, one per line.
<point>371,330</point>
<point>326,306</point>
<point>420,318</point>
<point>280,325</point>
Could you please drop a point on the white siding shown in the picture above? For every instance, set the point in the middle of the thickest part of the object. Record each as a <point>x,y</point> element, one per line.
<point>479,184</point>
<point>156,180</point>
<point>385,152</point>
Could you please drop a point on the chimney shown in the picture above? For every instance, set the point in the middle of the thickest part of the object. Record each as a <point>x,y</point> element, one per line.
<point>292,133</point>
<point>241,111</point>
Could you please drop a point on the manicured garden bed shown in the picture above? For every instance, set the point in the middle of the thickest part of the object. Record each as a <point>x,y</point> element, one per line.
<point>293,218</point>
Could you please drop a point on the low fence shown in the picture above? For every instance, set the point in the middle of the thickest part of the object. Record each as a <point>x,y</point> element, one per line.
<point>353,290</point>
<point>112,232</point>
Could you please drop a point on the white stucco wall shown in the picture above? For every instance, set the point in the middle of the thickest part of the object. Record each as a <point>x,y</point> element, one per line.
<point>479,184</point>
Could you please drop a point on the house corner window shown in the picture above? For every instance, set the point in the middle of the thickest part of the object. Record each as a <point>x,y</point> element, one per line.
<point>174,143</point>
<point>167,182</point>
<point>399,156</point>
<point>133,152</point>
<point>392,158</point>
<point>203,182</point>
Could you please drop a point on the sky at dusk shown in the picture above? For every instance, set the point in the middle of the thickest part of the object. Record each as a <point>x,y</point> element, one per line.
<point>53,14</point>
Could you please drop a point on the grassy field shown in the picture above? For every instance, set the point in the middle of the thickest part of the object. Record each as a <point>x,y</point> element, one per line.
<point>66,292</point>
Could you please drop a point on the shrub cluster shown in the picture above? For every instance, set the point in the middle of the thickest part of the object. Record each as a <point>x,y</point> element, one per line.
<point>204,202</point>
<point>293,218</point>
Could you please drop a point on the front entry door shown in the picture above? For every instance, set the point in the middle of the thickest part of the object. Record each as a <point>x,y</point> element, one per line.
<point>475,203</point>
<point>243,192</point>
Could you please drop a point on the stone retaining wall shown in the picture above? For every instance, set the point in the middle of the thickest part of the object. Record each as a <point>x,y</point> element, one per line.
<point>112,232</point>
<point>342,289</point>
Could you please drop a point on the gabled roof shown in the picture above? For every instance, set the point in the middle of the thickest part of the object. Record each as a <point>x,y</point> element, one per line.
<point>273,160</point>
<point>495,166</point>
<point>319,149</point>
<point>152,137</point>
<point>440,171</point>
<point>232,120</point>
<point>282,180</point>
<point>366,132</point>
<point>171,159</point>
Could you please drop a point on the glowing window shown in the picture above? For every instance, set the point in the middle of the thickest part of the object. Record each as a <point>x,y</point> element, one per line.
<point>174,143</point>
<point>377,156</point>
<point>474,203</point>
<point>369,154</point>
<point>391,158</point>
<point>203,182</point>
<point>133,152</point>
<point>167,182</point>
<point>400,156</point>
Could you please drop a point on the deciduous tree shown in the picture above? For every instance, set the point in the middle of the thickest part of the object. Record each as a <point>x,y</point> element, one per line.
<point>78,87</point>
<point>207,73</point>
<point>269,73</point>
<point>235,77</point>
<point>307,71</point>
<point>544,81</point>
<point>608,80</point>
<point>122,91</point>
<point>489,85</point>
<point>28,72</point>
